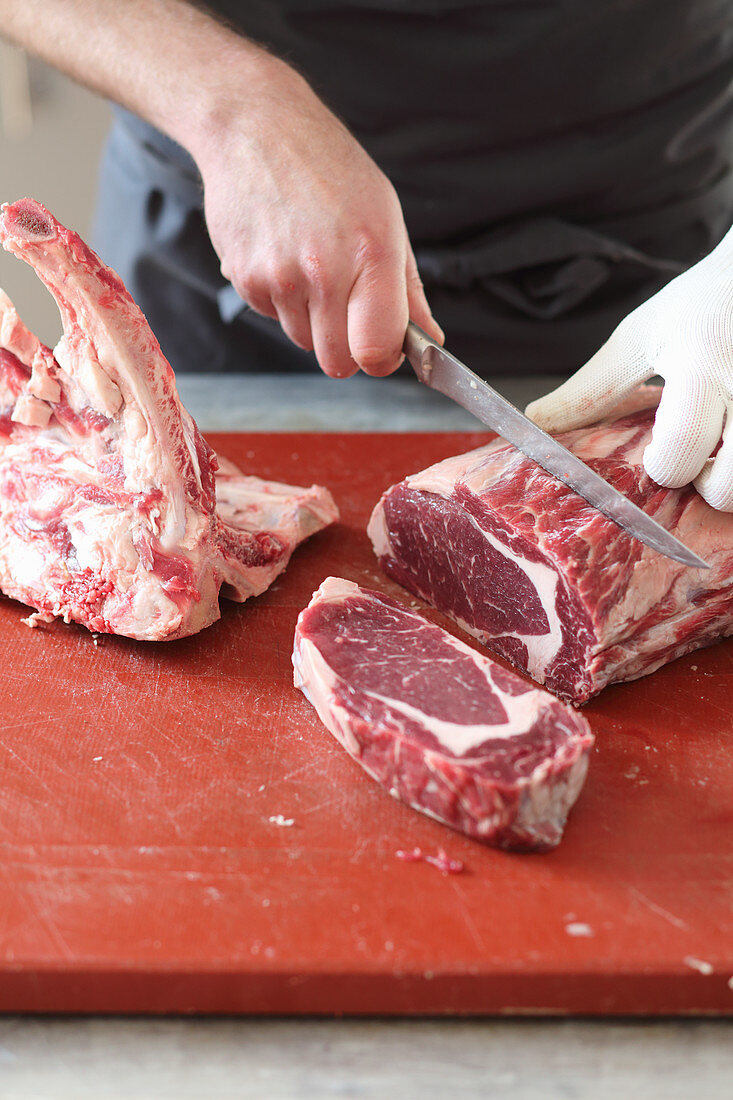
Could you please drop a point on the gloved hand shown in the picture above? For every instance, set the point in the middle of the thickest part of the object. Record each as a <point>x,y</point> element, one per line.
<point>685,334</point>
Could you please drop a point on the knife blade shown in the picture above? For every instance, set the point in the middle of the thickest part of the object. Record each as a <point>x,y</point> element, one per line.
<point>437,368</point>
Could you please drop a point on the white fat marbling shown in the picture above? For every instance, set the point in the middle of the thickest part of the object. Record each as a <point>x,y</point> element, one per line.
<point>317,680</point>
<point>541,648</point>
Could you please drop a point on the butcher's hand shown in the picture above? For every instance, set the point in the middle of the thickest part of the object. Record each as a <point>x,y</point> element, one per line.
<point>310,231</point>
<point>685,334</point>
<point>306,226</point>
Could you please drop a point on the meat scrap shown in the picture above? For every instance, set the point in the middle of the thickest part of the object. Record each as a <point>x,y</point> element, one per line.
<point>441,727</point>
<point>112,512</point>
<point>442,860</point>
<point>533,571</point>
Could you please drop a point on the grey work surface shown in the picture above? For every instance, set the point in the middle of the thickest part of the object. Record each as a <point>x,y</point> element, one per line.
<point>314,403</point>
<point>309,1059</point>
<point>364,1060</point>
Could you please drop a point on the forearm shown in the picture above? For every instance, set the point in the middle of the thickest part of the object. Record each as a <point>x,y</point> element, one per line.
<point>166,60</point>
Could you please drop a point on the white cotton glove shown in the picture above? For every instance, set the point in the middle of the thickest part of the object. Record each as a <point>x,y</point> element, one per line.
<point>685,334</point>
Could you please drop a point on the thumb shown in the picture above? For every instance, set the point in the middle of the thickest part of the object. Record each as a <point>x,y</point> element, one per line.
<point>615,369</point>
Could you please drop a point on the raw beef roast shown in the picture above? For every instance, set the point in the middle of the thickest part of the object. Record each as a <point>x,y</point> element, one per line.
<point>111,512</point>
<point>524,564</point>
<point>441,727</point>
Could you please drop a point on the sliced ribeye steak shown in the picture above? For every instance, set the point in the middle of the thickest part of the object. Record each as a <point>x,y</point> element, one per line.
<point>528,567</point>
<point>440,726</point>
<point>112,513</point>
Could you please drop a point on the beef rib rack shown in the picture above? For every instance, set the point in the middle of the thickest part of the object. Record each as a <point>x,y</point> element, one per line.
<point>440,726</point>
<point>533,571</point>
<point>112,512</point>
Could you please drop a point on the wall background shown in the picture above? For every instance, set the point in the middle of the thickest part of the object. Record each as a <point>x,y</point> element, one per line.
<point>50,153</point>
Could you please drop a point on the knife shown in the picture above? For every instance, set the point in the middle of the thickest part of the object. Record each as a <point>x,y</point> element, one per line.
<point>437,368</point>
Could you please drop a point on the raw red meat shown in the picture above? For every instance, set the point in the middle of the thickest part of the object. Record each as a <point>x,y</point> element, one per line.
<point>440,726</point>
<point>524,564</point>
<point>111,510</point>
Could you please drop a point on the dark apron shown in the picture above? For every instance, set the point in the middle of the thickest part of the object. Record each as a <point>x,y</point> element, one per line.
<point>557,161</point>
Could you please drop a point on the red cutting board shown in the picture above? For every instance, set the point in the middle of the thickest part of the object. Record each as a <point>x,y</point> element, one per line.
<point>142,873</point>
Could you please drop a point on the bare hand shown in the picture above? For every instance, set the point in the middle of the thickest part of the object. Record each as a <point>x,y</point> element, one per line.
<point>310,231</point>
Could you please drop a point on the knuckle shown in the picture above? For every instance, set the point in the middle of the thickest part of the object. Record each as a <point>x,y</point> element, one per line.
<point>283,282</point>
<point>371,250</point>
<point>247,283</point>
<point>258,299</point>
<point>316,271</point>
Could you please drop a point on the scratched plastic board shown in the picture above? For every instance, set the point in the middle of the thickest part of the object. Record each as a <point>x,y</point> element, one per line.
<point>148,864</point>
